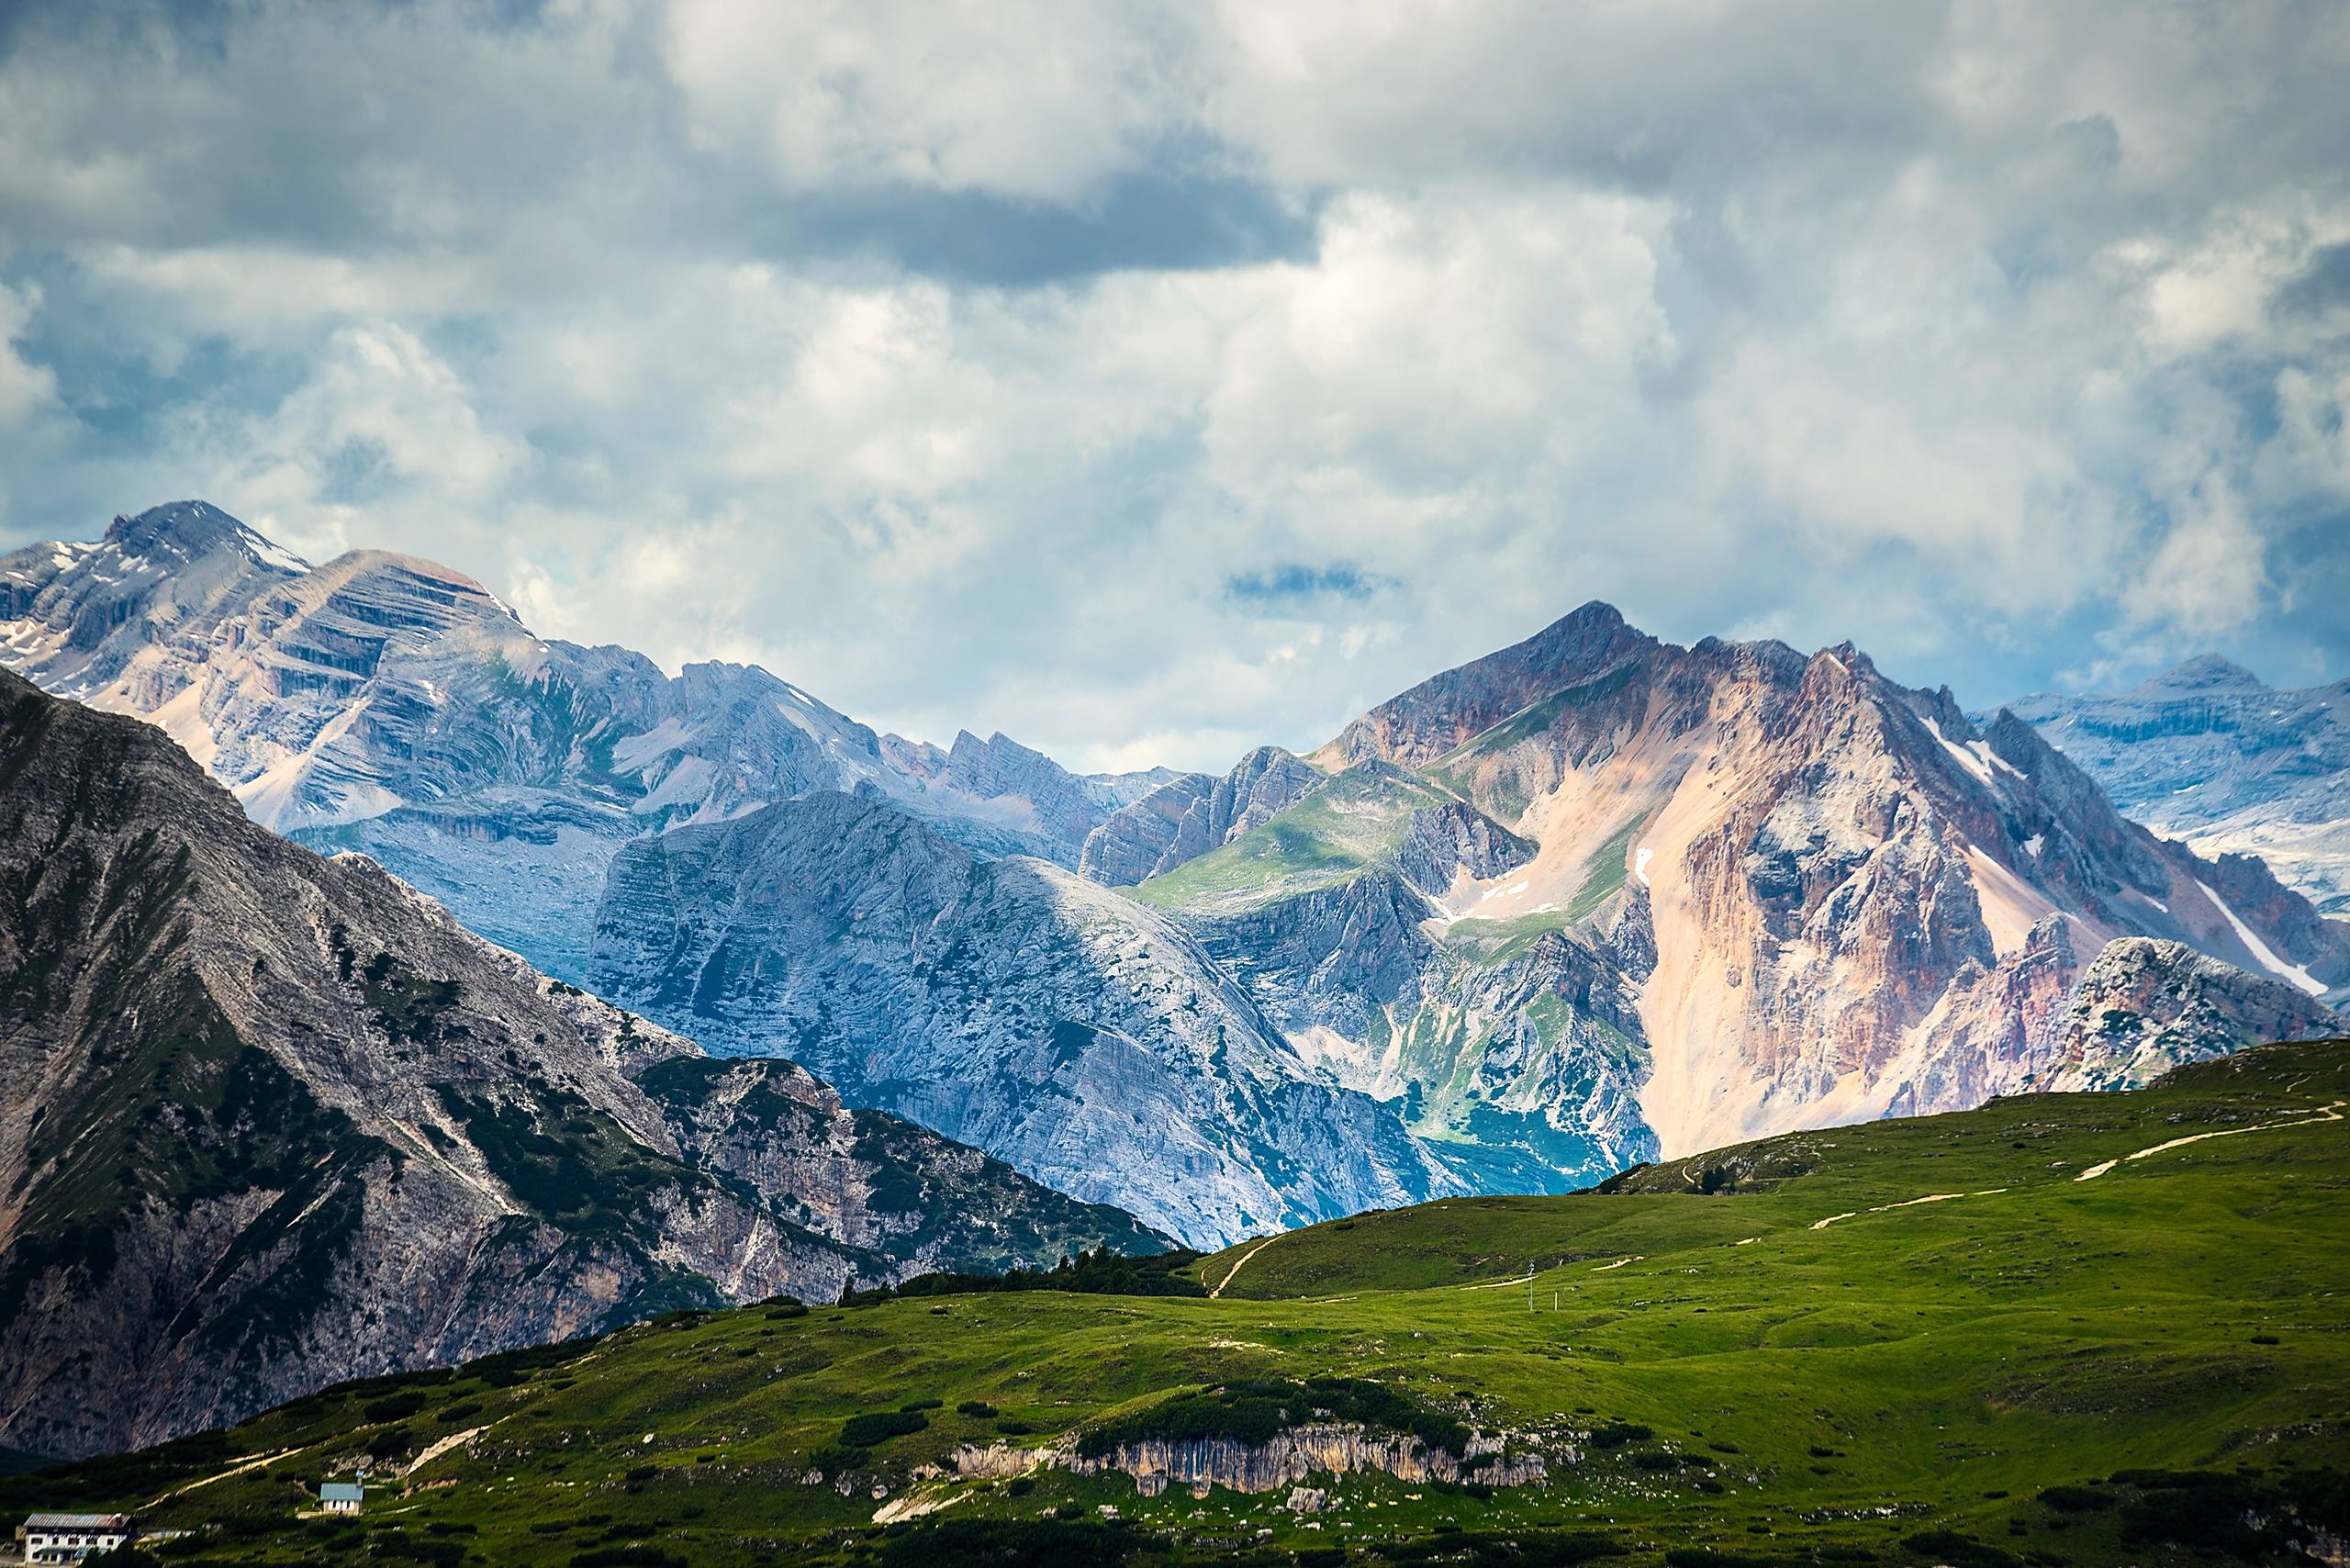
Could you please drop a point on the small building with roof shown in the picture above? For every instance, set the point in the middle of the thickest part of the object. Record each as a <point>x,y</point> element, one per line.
<point>69,1538</point>
<point>341,1497</point>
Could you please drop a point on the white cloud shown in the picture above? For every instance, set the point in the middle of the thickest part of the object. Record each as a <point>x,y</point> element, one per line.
<point>2207,575</point>
<point>1012,98</point>
<point>383,427</point>
<point>1970,332</point>
<point>24,388</point>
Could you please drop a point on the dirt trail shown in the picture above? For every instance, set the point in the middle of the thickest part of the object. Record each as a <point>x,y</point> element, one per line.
<point>1904,1203</point>
<point>255,1463</point>
<point>454,1440</point>
<point>1241,1262</point>
<point>2331,1113</point>
<point>1497,1284</point>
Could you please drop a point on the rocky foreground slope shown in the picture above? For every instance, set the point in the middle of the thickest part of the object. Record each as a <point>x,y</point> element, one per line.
<point>271,1121</point>
<point>2210,754</point>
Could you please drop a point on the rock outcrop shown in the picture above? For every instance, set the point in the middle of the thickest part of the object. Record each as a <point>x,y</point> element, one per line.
<point>1188,816</point>
<point>1293,1455</point>
<point>2144,1006</point>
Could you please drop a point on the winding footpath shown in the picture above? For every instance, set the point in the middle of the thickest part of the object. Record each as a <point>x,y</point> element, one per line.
<point>2331,1113</point>
<point>1242,1262</point>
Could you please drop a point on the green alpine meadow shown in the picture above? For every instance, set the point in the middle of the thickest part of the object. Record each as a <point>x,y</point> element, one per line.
<point>2058,1329</point>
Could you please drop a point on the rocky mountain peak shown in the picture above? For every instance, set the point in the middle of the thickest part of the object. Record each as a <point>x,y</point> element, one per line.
<point>191,530</point>
<point>2207,672</point>
<point>394,581</point>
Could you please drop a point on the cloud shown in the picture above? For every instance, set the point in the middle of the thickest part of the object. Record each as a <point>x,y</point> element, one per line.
<point>2207,576</point>
<point>1148,382</point>
<point>1017,99</point>
<point>24,387</point>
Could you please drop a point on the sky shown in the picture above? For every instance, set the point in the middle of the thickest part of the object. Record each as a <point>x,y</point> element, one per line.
<point>1149,383</point>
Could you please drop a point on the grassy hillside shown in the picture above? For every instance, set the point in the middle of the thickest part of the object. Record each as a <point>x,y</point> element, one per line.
<point>1804,1365</point>
<point>1355,822</point>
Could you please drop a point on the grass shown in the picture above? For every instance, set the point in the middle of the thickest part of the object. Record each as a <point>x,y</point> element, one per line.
<point>2151,1367</point>
<point>1605,873</point>
<point>1353,823</point>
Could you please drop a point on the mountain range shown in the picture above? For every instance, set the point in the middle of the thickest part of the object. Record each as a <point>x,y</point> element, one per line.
<point>1591,900</point>
<point>2211,755</point>
<point>390,705</point>
<point>275,1120</point>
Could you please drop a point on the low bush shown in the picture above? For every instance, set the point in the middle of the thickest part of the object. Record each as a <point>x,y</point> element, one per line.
<point>1615,1434</point>
<point>1958,1551</point>
<point>880,1426</point>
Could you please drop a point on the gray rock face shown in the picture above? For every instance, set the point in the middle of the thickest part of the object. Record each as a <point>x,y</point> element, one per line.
<point>2143,1006</point>
<point>2211,755</point>
<point>1335,956</point>
<point>998,779</point>
<point>389,705</point>
<point>1138,840</point>
<point>1456,839</point>
<point>1057,1025</point>
<point>1190,815</point>
<point>1299,1455</point>
<point>275,1121</point>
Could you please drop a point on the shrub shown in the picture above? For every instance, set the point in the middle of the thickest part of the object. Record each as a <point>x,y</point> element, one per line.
<point>2076,1499</point>
<point>399,1407</point>
<point>1254,1410</point>
<point>1960,1550</point>
<point>1615,1434</point>
<point>879,1426</point>
<point>977,1408</point>
<point>627,1556</point>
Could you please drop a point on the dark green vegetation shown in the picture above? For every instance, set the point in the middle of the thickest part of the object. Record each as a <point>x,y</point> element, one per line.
<point>2151,1366</point>
<point>1097,1271</point>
